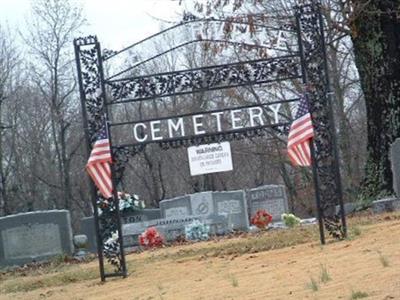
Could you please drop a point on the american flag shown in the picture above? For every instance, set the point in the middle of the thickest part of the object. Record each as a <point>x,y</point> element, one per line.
<point>98,165</point>
<point>300,134</point>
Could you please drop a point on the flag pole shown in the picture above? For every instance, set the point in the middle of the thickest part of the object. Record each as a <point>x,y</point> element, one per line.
<point>312,146</point>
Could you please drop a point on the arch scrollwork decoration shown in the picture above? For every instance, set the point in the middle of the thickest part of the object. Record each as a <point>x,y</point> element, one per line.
<point>93,107</point>
<point>317,85</point>
<point>207,78</point>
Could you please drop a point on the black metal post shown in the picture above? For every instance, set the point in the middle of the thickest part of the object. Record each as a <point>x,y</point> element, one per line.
<point>331,120</point>
<point>320,212</point>
<point>93,192</point>
<point>313,160</point>
<point>114,183</point>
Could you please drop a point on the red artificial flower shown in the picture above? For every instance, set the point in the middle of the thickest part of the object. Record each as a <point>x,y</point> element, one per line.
<point>151,238</point>
<point>261,219</point>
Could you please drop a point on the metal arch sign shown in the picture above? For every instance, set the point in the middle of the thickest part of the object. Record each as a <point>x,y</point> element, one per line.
<point>211,126</point>
<point>208,123</point>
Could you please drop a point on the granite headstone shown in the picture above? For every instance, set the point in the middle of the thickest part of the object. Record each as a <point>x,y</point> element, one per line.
<point>233,206</point>
<point>271,198</point>
<point>349,208</point>
<point>87,228</point>
<point>178,207</point>
<point>171,228</point>
<point>140,215</point>
<point>137,216</point>
<point>386,205</point>
<point>34,236</point>
<point>202,204</point>
<point>395,163</point>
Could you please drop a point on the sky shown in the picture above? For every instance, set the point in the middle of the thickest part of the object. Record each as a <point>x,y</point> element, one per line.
<point>117,23</point>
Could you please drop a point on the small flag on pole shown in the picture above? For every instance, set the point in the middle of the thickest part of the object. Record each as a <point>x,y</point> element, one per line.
<point>300,135</point>
<point>98,165</point>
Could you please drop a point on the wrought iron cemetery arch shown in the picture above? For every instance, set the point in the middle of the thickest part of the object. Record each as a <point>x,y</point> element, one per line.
<point>308,63</point>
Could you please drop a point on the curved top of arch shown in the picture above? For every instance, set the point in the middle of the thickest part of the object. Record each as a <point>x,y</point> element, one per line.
<point>141,52</point>
<point>142,62</point>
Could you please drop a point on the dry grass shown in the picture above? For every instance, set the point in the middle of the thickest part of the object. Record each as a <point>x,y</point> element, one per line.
<point>227,260</point>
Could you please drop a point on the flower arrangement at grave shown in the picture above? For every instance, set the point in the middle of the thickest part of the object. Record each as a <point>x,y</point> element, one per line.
<point>197,231</point>
<point>126,202</point>
<point>151,238</point>
<point>107,218</point>
<point>111,248</point>
<point>261,219</point>
<point>290,220</point>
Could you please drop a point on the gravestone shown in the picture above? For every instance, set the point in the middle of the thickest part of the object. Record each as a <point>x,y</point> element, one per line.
<point>202,204</point>
<point>178,207</point>
<point>87,228</point>
<point>386,205</point>
<point>349,208</point>
<point>34,236</point>
<point>170,228</point>
<point>173,228</point>
<point>395,163</point>
<point>233,206</point>
<point>140,215</point>
<point>222,211</point>
<point>87,224</point>
<point>271,198</point>
<point>80,242</point>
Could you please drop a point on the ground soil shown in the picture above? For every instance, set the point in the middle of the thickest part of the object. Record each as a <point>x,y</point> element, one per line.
<point>367,266</point>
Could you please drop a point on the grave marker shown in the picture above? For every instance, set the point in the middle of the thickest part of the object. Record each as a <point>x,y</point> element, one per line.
<point>386,205</point>
<point>233,206</point>
<point>34,236</point>
<point>178,207</point>
<point>171,228</point>
<point>140,215</point>
<point>272,198</point>
<point>202,204</point>
<point>137,216</point>
<point>395,163</point>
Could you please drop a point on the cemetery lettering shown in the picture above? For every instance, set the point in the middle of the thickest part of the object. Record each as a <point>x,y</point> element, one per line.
<point>199,124</point>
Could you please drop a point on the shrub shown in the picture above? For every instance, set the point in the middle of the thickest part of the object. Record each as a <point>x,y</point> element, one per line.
<point>358,295</point>
<point>261,219</point>
<point>151,238</point>
<point>313,285</point>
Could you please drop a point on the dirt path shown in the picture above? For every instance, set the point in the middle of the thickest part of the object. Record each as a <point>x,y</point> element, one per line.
<point>369,265</point>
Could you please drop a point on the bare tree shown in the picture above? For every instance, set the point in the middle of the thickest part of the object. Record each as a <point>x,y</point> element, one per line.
<point>51,31</point>
<point>9,62</point>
